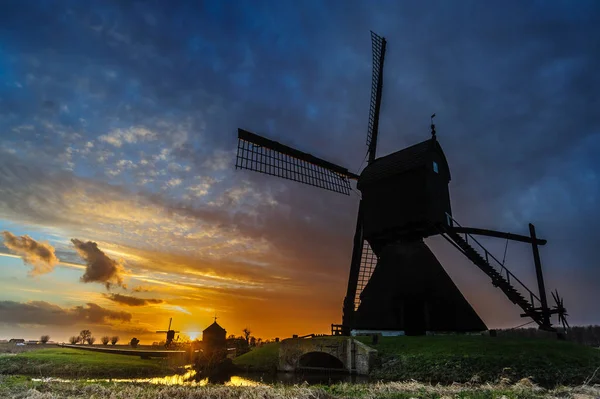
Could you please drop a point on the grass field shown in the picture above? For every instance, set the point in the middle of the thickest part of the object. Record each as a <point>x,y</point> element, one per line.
<point>448,359</point>
<point>12,348</point>
<point>73,363</point>
<point>462,359</point>
<point>442,359</point>
<point>264,358</point>
<point>24,388</point>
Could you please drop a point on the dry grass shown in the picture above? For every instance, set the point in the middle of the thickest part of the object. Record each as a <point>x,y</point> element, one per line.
<point>21,388</point>
<point>10,348</point>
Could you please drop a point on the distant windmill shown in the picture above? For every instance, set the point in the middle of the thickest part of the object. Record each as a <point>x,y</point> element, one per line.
<point>395,282</point>
<point>170,334</point>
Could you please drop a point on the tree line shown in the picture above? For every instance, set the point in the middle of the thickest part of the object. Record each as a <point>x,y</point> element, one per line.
<point>585,335</point>
<point>86,337</point>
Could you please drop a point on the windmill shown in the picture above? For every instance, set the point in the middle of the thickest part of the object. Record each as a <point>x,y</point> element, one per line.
<point>170,334</point>
<point>395,282</point>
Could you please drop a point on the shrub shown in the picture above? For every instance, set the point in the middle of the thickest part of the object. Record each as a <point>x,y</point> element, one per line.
<point>91,340</point>
<point>114,340</point>
<point>105,340</point>
<point>44,339</point>
<point>134,342</point>
<point>74,340</point>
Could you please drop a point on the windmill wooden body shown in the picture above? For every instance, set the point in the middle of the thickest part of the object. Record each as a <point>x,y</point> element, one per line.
<point>170,334</point>
<point>395,282</point>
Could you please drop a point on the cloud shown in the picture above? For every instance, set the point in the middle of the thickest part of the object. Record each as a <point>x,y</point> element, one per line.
<point>40,255</point>
<point>131,135</point>
<point>44,313</point>
<point>97,314</point>
<point>178,309</point>
<point>131,300</point>
<point>201,188</point>
<point>141,288</point>
<point>100,268</point>
<point>174,182</point>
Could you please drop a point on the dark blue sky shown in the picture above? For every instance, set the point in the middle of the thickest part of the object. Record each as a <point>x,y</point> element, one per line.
<point>118,124</point>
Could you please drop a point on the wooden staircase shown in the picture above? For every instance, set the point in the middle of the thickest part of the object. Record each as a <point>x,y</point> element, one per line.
<point>511,286</point>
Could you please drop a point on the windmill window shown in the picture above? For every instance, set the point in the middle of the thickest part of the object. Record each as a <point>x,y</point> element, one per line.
<point>435,167</point>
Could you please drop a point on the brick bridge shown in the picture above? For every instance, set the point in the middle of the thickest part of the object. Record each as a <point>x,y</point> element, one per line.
<point>326,353</point>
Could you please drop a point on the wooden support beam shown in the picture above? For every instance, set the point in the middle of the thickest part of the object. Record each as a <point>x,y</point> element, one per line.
<point>540,277</point>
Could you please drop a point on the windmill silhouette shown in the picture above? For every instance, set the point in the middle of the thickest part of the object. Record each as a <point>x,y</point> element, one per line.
<point>170,334</point>
<point>395,282</point>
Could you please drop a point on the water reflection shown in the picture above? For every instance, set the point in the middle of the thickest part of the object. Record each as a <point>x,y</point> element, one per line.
<point>192,378</point>
<point>188,378</point>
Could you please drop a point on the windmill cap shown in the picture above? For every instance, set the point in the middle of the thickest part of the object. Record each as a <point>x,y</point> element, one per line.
<point>407,159</point>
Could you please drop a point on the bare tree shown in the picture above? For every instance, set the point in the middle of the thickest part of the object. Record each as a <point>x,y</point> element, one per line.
<point>247,333</point>
<point>105,340</point>
<point>44,339</point>
<point>91,340</point>
<point>73,340</point>
<point>84,335</point>
<point>114,340</point>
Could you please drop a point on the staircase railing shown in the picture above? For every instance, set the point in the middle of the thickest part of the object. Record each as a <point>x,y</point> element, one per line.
<point>510,277</point>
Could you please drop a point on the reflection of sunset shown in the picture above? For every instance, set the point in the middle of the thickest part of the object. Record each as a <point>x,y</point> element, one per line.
<point>188,379</point>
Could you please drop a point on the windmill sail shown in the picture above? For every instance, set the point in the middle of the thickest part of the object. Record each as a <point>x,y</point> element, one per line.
<point>378,44</point>
<point>368,262</point>
<point>262,155</point>
<point>363,260</point>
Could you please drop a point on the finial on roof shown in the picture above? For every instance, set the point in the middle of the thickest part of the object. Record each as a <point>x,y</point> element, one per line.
<point>432,127</point>
<point>216,317</point>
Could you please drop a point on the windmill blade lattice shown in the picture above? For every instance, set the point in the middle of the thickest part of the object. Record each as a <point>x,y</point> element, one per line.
<point>378,44</point>
<point>266,156</point>
<point>368,262</point>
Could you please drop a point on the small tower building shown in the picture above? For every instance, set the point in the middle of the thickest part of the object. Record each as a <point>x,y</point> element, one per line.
<point>214,338</point>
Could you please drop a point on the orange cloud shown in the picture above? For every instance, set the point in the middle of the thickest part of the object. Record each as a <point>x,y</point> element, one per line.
<point>40,255</point>
<point>132,300</point>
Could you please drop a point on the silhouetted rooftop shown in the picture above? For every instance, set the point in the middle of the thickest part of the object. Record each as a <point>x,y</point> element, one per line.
<point>401,161</point>
<point>214,327</point>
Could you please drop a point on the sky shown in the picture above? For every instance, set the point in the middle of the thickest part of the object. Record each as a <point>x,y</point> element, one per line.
<point>120,205</point>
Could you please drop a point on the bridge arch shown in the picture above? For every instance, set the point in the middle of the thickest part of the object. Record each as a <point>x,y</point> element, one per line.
<point>320,359</point>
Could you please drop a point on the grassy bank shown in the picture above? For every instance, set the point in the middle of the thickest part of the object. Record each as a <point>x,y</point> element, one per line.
<point>264,358</point>
<point>448,359</point>
<point>20,387</point>
<point>73,363</point>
